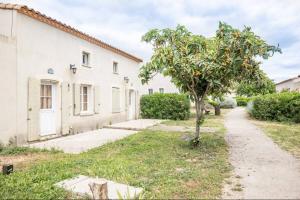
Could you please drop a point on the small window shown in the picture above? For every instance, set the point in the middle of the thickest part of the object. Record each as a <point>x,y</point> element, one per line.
<point>150,91</point>
<point>85,92</point>
<point>46,96</point>
<point>161,90</point>
<point>85,58</point>
<point>115,68</point>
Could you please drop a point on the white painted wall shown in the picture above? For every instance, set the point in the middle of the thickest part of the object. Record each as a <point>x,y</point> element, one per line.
<point>292,85</point>
<point>39,47</point>
<point>8,97</point>
<point>159,81</point>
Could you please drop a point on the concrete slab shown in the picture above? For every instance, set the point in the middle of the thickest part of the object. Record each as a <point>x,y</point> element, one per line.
<point>80,186</point>
<point>138,124</point>
<point>84,141</point>
<point>163,127</point>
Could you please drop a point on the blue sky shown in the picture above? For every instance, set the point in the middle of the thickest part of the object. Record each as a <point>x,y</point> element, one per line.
<point>123,22</point>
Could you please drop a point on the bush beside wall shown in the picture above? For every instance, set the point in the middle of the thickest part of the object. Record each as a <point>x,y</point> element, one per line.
<point>278,107</point>
<point>242,101</point>
<point>165,106</point>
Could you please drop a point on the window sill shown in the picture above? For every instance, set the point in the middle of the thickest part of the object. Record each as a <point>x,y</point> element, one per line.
<point>86,66</point>
<point>116,112</point>
<point>86,113</point>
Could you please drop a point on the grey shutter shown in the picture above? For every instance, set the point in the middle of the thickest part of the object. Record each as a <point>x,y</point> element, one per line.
<point>76,97</point>
<point>66,106</point>
<point>97,99</point>
<point>126,98</point>
<point>34,86</point>
<point>115,99</point>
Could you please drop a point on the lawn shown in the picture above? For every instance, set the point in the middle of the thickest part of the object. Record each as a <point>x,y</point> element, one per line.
<point>286,135</point>
<point>160,162</point>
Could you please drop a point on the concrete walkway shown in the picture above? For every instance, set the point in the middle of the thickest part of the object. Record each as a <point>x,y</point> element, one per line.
<point>261,167</point>
<point>138,124</point>
<point>84,141</point>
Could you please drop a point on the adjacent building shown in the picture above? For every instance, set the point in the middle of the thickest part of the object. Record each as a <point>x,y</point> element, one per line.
<point>292,84</point>
<point>56,80</point>
<point>160,84</point>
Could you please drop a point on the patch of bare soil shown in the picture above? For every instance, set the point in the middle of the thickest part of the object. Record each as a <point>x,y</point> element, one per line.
<point>22,161</point>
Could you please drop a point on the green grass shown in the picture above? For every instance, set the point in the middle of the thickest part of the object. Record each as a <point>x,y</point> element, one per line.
<point>286,135</point>
<point>149,159</point>
<point>11,150</point>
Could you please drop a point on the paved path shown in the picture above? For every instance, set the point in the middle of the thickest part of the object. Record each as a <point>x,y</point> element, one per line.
<point>138,124</point>
<point>262,168</point>
<point>84,141</point>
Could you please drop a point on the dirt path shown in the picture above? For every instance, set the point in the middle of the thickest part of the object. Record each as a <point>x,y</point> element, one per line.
<point>261,169</point>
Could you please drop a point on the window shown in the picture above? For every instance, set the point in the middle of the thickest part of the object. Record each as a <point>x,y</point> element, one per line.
<point>46,96</point>
<point>85,58</point>
<point>161,90</point>
<point>116,100</point>
<point>115,68</point>
<point>150,91</point>
<point>85,97</point>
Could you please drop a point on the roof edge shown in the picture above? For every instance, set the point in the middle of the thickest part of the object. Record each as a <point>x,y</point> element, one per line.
<point>66,28</point>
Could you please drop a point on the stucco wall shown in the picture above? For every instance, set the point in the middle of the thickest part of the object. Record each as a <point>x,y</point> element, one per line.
<point>41,47</point>
<point>292,85</point>
<point>8,73</point>
<point>159,81</point>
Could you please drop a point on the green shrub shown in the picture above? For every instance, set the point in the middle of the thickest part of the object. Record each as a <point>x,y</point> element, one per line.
<point>278,107</point>
<point>165,106</point>
<point>242,101</point>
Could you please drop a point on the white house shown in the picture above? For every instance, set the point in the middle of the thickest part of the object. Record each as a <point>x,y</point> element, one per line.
<point>292,84</point>
<point>56,80</point>
<point>160,84</point>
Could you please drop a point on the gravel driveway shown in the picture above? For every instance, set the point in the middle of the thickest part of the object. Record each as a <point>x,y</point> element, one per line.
<point>261,169</point>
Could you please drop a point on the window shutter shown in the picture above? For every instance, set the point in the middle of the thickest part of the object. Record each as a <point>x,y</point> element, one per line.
<point>76,97</point>
<point>33,109</point>
<point>115,100</point>
<point>66,106</point>
<point>126,98</point>
<point>97,99</point>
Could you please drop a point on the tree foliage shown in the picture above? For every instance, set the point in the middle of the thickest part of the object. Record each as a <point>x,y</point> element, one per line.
<point>263,86</point>
<point>203,66</point>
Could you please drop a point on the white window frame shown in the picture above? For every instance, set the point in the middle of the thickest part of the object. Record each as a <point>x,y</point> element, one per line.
<point>115,67</point>
<point>89,99</point>
<point>161,90</point>
<point>150,91</point>
<point>88,59</point>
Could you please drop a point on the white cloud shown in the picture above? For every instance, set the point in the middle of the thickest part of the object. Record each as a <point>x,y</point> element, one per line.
<point>123,22</point>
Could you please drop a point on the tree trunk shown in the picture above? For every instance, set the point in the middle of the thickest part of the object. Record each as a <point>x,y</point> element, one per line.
<point>217,110</point>
<point>199,114</point>
<point>99,189</point>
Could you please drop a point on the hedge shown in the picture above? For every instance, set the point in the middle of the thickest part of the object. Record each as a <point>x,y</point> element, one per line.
<point>165,106</point>
<point>278,107</point>
<point>242,101</point>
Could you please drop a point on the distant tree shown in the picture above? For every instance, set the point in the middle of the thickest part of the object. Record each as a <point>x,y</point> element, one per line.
<point>253,88</point>
<point>203,66</point>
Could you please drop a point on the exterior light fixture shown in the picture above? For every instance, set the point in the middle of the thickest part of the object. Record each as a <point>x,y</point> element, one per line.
<point>126,79</point>
<point>73,68</point>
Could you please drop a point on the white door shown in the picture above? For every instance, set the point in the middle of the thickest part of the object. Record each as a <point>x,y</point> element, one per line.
<point>131,104</point>
<point>48,109</point>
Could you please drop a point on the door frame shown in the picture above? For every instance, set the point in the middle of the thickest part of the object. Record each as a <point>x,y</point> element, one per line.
<point>53,110</point>
<point>131,104</point>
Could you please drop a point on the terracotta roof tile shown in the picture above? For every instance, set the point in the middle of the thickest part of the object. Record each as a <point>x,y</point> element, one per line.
<point>64,27</point>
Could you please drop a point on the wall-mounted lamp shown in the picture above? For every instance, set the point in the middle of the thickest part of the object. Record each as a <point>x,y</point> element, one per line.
<point>73,68</point>
<point>126,79</point>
